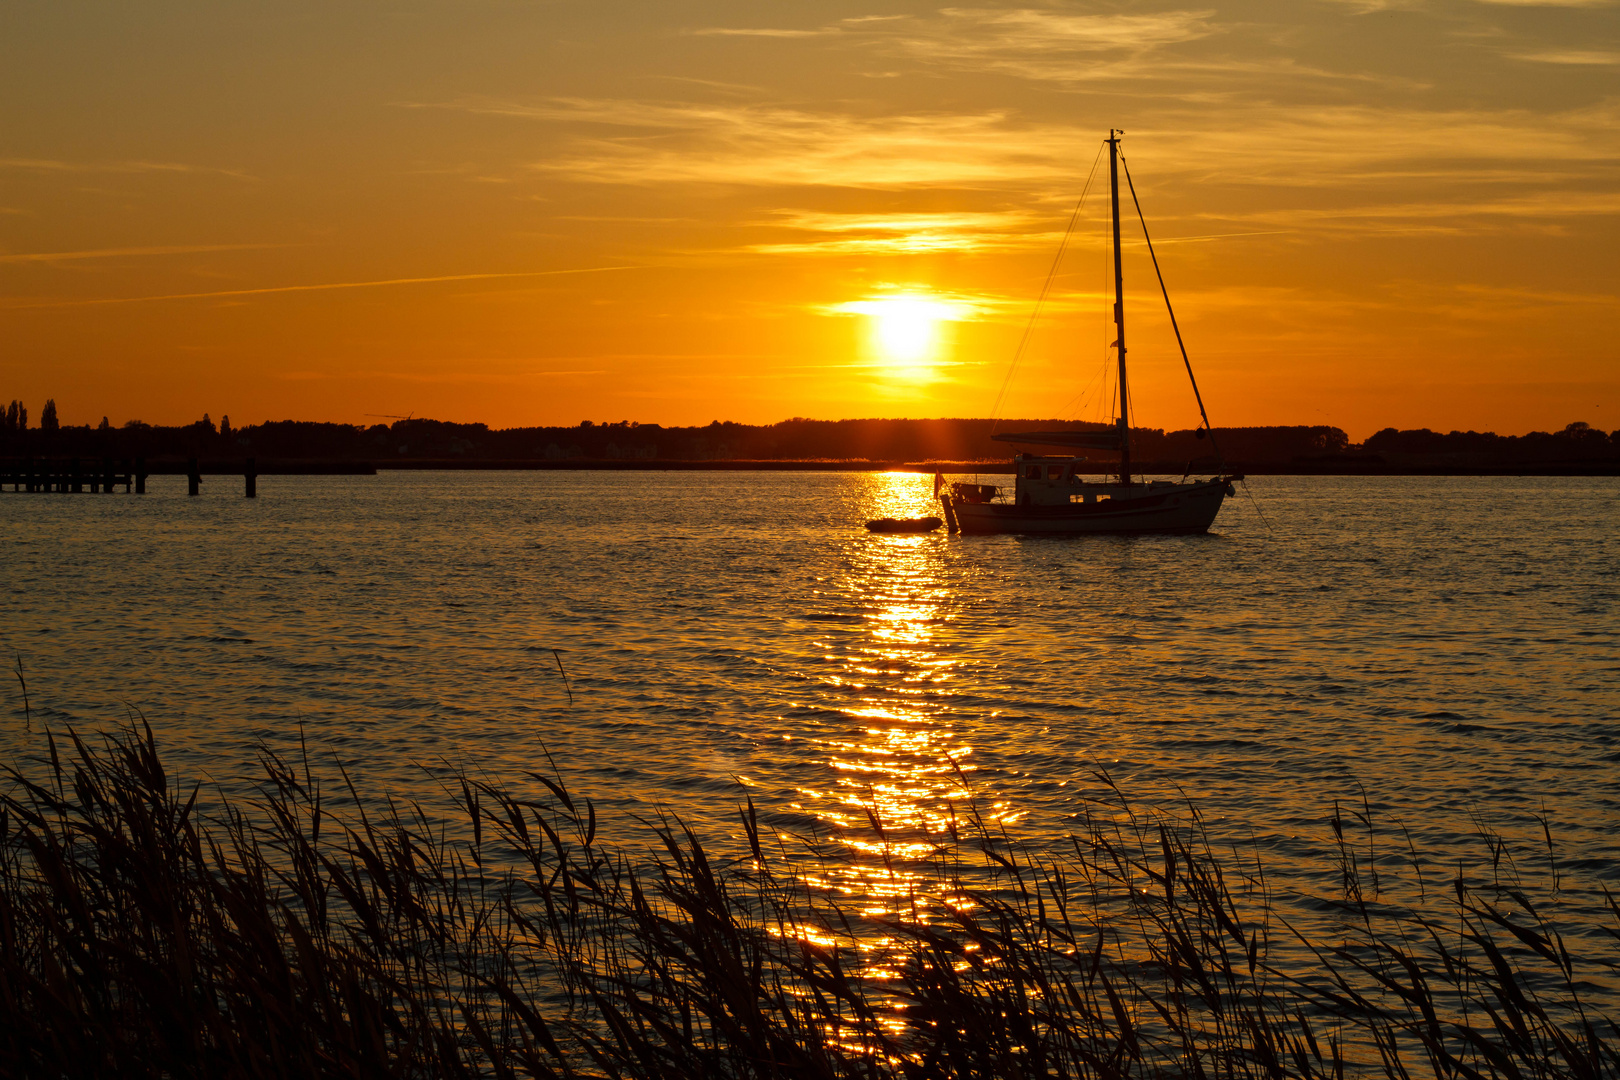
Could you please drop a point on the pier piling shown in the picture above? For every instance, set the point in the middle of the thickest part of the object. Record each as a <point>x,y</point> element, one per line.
<point>193,476</point>
<point>250,477</point>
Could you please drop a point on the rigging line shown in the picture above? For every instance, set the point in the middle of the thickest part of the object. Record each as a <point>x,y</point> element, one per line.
<point>1101,374</point>
<point>1076,406</point>
<point>1173,325</point>
<point>1108,370</point>
<point>1263,519</point>
<point>1051,274</point>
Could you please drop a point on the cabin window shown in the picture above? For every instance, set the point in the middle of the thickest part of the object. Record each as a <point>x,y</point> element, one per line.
<point>1032,472</point>
<point>1054,472</point>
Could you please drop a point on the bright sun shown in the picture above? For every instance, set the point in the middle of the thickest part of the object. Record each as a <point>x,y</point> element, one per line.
<point>905,330</point>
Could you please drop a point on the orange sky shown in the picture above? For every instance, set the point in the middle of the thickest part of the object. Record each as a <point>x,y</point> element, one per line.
<point>1369,213</point>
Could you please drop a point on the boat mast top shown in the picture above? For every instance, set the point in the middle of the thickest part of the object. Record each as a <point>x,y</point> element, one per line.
<point>1119,313</point>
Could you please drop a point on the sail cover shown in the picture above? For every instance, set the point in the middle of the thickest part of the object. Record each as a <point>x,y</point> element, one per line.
<point>1082,440</point>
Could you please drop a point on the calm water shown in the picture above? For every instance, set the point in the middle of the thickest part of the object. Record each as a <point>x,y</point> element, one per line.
<point>1447,646</point>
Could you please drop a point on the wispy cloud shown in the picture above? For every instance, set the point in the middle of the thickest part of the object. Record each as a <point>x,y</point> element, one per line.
<point>904,234</point>
<point>1339,146</point>
<point>710,84</point>
<point>1597,57</point>
<point>1439,217</point>
<point>459,371</point>
<point>1552,3</point>
<point>1368,7</point>
<point>1401,169</point>
<point>307,288</point>
<point>1348,145</point>
<point>951,306</point>
<point>780,145</point>
<point>51,165</point>
<point>1037,43</point>
<point>1041,43</point>
<point>1051,45</point>
<point>765,32</point>
<point>115,253</point>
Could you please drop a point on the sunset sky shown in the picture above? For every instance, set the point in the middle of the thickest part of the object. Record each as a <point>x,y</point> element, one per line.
<point>1368,213</point>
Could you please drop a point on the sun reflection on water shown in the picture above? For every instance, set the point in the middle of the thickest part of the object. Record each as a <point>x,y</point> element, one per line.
<point>898,778</point>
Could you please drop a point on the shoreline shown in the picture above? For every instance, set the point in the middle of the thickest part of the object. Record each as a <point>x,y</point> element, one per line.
<point>1002,467</point>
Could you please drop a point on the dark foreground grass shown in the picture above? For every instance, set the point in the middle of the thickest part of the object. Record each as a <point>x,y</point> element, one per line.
<point>278,938</point>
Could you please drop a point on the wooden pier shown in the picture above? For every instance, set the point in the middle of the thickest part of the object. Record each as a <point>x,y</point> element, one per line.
<point>74,476</point>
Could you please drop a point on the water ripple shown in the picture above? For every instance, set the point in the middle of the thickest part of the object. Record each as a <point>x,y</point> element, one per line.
<point>1440,651</point>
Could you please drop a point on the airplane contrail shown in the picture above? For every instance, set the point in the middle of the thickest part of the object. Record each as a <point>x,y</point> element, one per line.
<point>315,288</point>
<point>112,253</point>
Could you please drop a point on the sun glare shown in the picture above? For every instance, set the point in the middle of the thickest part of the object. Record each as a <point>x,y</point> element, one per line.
<point>905,332</point>
<point>907,329</point>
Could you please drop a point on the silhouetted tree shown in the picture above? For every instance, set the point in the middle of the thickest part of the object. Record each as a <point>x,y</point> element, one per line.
<point>104,425</point>
<point>1582,432</point>
<point>47,416</point>
<point>225,431</point>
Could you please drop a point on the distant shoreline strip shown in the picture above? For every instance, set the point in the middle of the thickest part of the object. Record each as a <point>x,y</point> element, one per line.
<point>165,465</point>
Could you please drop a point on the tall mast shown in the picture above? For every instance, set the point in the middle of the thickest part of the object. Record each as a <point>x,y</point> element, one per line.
<point>1119,314</point>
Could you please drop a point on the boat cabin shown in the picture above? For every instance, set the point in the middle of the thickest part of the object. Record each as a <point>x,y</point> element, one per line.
<point>1041,480</point>
<point>1048,481</point>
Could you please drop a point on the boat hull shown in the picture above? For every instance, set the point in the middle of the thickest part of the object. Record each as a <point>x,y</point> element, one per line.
<point>904,525</point>
<point>1178,508</point>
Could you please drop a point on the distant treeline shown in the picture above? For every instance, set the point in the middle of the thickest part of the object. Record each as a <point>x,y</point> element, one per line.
<point>886,440</point>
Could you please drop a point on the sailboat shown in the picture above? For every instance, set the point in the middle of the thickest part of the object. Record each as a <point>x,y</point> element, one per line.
<point>1051,494</point>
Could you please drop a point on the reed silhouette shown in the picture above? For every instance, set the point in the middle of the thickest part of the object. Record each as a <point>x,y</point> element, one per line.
<point>276,936</point>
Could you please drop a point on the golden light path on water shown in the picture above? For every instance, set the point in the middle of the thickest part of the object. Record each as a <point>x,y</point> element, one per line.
<point>899,788</point>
